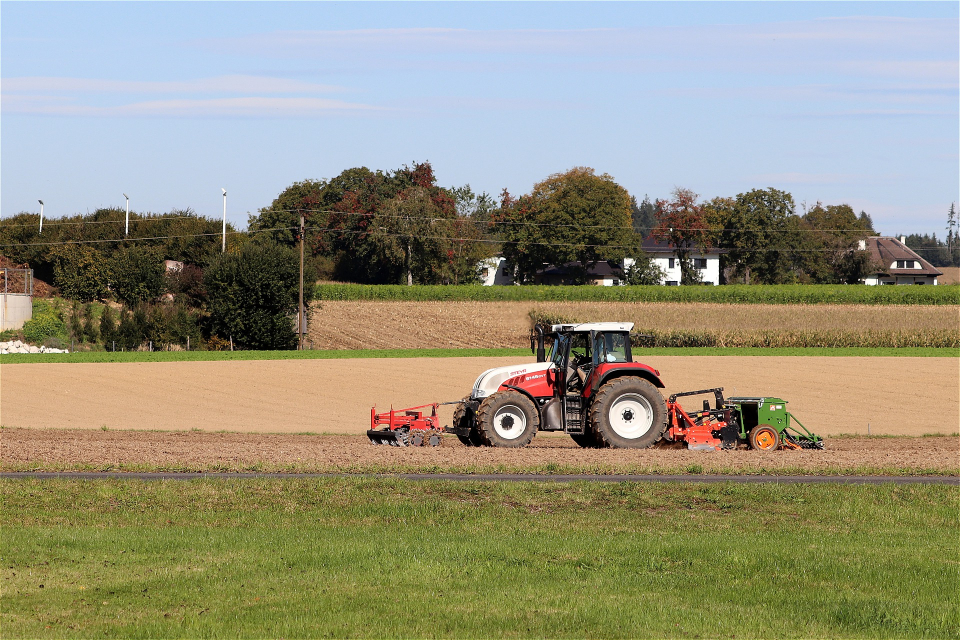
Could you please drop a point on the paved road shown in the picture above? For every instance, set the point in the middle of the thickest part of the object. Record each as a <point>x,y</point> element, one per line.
<point>704,479</point>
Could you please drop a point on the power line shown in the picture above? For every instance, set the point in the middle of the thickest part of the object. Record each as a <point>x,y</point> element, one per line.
<point>407,235</point>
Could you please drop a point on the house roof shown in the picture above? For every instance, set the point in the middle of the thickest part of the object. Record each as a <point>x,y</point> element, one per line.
<point>886,251</point>
<point>652,245</point>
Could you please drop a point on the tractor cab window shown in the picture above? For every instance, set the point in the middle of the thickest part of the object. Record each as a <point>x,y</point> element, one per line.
<point>579,349</point>
<point>611,347</point>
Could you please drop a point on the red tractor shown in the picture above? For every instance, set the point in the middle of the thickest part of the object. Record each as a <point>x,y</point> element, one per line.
<point>587,386</point>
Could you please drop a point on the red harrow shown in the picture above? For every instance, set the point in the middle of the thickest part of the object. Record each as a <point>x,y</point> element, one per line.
<point>404,427</point>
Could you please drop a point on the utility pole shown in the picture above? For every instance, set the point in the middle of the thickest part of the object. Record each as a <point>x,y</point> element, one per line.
<point>301,320</point>
<point>126,229</point>
<point>41,215</point>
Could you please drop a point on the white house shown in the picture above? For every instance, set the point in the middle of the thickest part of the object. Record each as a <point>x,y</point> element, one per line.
<point>897,263</point>
<point>665,257</point>
<point>495,271</point>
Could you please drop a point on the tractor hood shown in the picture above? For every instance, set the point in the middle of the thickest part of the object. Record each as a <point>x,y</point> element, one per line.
<point>491,379</point>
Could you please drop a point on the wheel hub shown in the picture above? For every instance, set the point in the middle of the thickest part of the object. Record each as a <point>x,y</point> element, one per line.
<point>631,416</point>
<point>510,422</point>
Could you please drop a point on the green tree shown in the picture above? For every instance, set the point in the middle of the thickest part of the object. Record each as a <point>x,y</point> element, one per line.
<point>644,215</point>
<point>108,327</point>
<point>80,272</point>
<point>137,274</point>
<point>826,246</point>
<point>576,216</point>
<point>644,271</point>
<point>758,236</point>
<point>253,296</point>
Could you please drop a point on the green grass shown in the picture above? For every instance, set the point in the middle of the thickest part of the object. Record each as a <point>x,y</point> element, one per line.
<point>639,354</point>
<point>737,294</point>
<point>389,558</point>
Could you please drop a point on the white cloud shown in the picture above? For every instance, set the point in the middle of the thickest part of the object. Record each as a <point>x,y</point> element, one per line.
<point>221,84</point>
<point>928,44</point>
<point>220,107</point>
<point>796,178</point>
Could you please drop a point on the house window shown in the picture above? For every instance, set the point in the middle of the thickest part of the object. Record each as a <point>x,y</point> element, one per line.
<point>906,264</point>
<point>672,283</point>
<point>616,282</point>
<point>700,263</point>
<point>671,263</point>
<point>486,273</point>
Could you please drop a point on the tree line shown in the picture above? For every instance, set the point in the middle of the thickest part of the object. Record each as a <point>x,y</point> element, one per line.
<point>401,227</point>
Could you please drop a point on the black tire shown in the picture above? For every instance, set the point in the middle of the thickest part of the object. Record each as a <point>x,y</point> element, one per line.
<point>507,419</point>
<point>460,414</point>
<point>628,413</point>
<point>763,437</point>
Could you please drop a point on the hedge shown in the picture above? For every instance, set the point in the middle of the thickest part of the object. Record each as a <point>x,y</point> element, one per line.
<point>734,294</point>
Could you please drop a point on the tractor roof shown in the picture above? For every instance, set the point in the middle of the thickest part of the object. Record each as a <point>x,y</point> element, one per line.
<point>587,327</point>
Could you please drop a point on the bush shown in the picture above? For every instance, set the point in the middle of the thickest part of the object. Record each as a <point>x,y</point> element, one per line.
<point>47,322</point>
<point>253,296</point>
<point>80,272</point>
<point>137,274</point>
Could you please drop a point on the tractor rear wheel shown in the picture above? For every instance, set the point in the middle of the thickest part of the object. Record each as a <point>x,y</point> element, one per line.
<point>764,437</point>
<point>507,419</point>
<point>628,412</point>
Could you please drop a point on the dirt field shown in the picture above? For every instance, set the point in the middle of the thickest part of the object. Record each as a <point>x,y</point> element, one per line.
<point>57,449</point>
<point>831,395</point>
<point>424,325</point>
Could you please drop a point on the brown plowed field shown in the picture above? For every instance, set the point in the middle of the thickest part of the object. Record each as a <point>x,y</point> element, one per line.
<point>60,449</point>
<point>423,325</point>
<point>830,395</point>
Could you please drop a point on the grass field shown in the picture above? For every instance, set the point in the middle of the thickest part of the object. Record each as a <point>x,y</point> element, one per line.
<point>387,558</point>
<point>743,294</point>
<point>337,354</point>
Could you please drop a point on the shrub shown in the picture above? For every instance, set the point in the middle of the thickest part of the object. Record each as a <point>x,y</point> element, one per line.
<point>80,272</point>
<point>47,322</point>
<point>137,274</point>
<point>253,296</point>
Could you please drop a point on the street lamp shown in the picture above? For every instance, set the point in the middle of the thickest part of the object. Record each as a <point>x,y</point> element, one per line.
<point>224,248</point>
<point>41,215</point>
<point>126,230</point>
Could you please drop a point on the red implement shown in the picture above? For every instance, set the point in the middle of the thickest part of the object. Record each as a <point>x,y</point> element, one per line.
<point>402,427</point>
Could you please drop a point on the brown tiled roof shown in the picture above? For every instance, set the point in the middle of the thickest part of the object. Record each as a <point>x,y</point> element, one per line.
<point>886,251</point>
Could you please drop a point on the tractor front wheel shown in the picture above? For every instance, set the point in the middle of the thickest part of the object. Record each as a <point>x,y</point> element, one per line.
<point>764,437</point>
<point>507,419</point>
<point>628,413</point>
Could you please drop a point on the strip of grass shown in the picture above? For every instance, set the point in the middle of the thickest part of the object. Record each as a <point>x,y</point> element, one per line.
<point>736,294</point>
<point>380,558</point>
<point>639,354</point>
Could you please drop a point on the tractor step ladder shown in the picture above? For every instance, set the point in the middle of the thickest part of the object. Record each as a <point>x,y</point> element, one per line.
<point>573,418</point>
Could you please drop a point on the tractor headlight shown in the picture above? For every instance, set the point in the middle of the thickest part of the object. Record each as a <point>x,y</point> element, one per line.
<point>479,393</point>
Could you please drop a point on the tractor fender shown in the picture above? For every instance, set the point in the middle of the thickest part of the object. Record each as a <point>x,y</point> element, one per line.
<point>524,392</point>
<point>646,374</point>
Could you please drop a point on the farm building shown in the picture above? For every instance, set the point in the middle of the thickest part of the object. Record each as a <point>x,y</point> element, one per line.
<point>897,263</point>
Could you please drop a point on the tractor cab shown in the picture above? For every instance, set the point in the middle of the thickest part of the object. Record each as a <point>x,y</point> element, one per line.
<point>577,351</point>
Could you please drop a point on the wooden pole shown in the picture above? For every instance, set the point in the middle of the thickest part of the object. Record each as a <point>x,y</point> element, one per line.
<point>301,321</point>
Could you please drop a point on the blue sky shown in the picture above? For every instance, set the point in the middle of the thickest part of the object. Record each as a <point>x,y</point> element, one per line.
<point>854,103</point>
